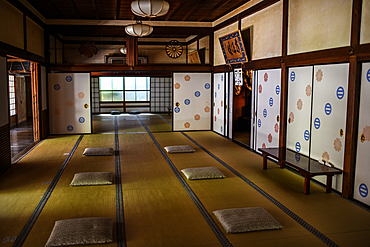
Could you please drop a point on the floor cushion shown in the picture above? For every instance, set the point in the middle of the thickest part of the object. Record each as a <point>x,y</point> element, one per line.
<point>92,178</point>
<point>179,149</point>
<point>98,151</point>
<point>202,173</point>
<point>236,220</point>
<point>81,231</point>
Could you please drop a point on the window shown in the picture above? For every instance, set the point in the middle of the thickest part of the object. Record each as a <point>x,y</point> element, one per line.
<point>137,88</point>
<point>118,89</point>
<point>12,95</point>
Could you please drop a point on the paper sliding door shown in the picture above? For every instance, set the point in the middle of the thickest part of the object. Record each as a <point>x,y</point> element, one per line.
<point>219,103</point>
<point>192,101</point>
<point>362,175</point>
<point>69,103</point>
<point>268,108</point>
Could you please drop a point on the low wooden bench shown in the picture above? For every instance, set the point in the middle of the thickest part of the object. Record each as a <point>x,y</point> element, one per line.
<point>306,166</point>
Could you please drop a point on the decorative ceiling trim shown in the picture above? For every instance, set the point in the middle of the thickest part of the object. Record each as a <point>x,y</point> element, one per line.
<point>127,22</point>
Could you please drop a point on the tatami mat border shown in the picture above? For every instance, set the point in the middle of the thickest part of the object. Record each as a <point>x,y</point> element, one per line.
<point>121,235</point>
<point>299,220</point>
<point>36,213</point>
<point>216,230</point>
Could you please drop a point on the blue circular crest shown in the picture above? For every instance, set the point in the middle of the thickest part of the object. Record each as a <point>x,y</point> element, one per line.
<point>69,128</point>
<point>264,113</point>
<point>187,102</point>
<point>292,76</point>
<point>68,78</point>
<point>297,157</point>
<point>177,109</point>
<point>277,89</point>
<point>207,86</point>
<point>259,123</point>
<point>222,77</point>
<point>317,123</point>
<point>364,191</point>
<point>57,87</point>
<point>215,94</point>
<point>271,102</point>
<point>298,147</point>
<point>340,92</point>
<point>197,93</point>
<point>81,120</point>
<point>221,129</point>
<point>368,75</point>
<point>306,135</point>
<point>328,109</point>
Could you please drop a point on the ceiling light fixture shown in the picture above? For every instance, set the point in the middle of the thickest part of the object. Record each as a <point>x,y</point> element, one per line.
<point>150,8</point>
<point>139,29</point>
<point>123,50</point>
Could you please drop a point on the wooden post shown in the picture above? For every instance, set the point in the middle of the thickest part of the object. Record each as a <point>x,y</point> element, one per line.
<point>132,50</point>
<point>351,128</point>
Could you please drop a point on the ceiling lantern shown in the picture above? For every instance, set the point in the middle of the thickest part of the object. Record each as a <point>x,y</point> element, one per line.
<point>150,8</point>
<point>139,29</point>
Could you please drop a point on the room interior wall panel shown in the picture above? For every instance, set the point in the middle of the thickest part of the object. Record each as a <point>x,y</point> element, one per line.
<point>362,174</point>
<point>69,103</point>
<point>5,154</point>
<point>230,103</point>
<point>219,103</point>
<point>329,110</point>
<point>268,108</point>
<point>299,109</point>
<point>192,101</point>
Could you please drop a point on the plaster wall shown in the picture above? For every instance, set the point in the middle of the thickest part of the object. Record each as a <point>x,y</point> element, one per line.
<point>365,22</point>
<point>35,38</point>
<point>218,58</point>
<point>318,25</point>
<point>12,32</point>
<point>266,31</point>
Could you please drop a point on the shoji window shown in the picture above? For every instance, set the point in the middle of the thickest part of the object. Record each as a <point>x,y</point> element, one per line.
<point>12,95</point>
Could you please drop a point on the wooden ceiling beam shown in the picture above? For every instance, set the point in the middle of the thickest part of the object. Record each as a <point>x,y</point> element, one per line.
<point>56,9</point>
<point>78,12</point>
<point>196,7</point>
<point>219,5</point>
<point>175,9</point>
<point>117,7</point>
<point>93,2</point>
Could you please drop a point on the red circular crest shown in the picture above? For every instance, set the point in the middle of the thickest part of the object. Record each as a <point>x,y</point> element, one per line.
<point>270,138</point>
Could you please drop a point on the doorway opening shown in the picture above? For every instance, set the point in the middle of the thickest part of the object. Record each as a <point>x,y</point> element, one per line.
<point>23,104</point>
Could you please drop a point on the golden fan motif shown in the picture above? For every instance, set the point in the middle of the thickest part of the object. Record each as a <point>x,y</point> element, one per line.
<point>174,49</point>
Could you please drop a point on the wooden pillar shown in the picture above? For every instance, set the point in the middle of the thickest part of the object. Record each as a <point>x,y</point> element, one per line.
<point>351,127</point>
<point>283,112</point>
<point>284,86</point>
<point>352,105</point>
<point>132,50</point>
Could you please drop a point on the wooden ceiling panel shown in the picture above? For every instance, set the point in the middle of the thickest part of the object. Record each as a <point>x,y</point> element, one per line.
<point>180,10</point>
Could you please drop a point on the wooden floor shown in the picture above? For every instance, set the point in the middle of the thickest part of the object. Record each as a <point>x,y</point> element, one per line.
<point>21,137</point>
<point>153,204</point>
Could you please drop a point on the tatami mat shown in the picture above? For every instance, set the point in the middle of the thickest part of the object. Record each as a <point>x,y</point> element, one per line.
<point>158,211</point>
<point>232,192</point>
<point>329,213</point>
<point>23,185</point>
<point>67,202</point>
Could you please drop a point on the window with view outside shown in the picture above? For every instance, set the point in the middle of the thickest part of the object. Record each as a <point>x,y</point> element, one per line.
<point>118,89</point>
<point>12,95</point>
